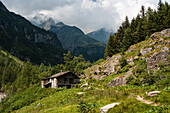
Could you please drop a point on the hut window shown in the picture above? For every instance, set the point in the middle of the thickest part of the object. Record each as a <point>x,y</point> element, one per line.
<point>65,80</point>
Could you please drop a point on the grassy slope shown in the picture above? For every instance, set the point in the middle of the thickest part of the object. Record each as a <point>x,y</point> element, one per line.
<point>12,57</point>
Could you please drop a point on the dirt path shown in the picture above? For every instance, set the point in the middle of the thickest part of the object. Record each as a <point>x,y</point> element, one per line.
<point>146,101</point>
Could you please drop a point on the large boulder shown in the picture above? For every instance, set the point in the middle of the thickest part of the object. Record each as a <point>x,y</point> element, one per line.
<point>107,107</point>
<point>152,93</point>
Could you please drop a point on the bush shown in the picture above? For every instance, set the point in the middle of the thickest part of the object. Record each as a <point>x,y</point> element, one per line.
<point>84,107</point>
<point>123,62</point>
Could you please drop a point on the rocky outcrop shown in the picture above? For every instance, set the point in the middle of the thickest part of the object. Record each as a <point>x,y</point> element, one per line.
<point>145,51</point>
<point>112,63</point>
<point>154,60</point>
<point>130,61</point>
<point>121,80</point>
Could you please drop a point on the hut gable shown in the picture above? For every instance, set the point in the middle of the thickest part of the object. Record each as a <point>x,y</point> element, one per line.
<point>67,79</point>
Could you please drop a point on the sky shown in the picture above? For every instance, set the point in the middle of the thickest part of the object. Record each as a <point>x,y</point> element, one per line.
<point>88,15</point>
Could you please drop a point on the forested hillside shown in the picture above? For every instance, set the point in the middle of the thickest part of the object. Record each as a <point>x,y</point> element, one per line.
<point>28,42</point>
<point>140,28</point>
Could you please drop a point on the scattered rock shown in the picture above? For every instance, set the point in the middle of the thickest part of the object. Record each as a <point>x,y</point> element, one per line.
<point>142,58</point>
<point>130,96</point>
<point>86,89</point>
<point>165,49</point>
<point>131,50</point>
<point>100,89</point>
<point>107,107</point>
<point>136,57</point>
<point>2,96</point>
<point>153,93</point>
<point>82,76</point>
<point>158,46</point>
<point>161,40</point>
<point>145,51</point>
<point>84,85</point>
<point>166,42</point>
<point>129,59</point>
<point>131,63</point>
<point>154,36</point>
<point>80,93</point>
<point>153,43</point>
<point>39,104</point>
<point>166,35</point>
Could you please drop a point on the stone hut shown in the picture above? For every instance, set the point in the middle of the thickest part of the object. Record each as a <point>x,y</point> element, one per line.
<point>62,79</point>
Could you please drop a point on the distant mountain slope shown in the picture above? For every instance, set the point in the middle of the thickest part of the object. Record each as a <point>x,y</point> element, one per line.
<point>101,35</point>
<point>73,39</point>
<point>26,41</point>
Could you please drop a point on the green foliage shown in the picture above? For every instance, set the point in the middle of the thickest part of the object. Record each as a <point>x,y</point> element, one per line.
<point>123,62</point>
<point>84,107</point>
<point>124,69</point>
<point>141,76</point>
<point>26,97</point>
<point>75,64</point>
<point>140,28</point>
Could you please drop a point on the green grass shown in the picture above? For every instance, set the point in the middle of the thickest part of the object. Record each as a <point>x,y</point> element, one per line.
<point>132,105</point>
<point>12,57</point>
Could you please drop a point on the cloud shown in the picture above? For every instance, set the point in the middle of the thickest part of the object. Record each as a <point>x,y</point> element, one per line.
<point>87,14</point>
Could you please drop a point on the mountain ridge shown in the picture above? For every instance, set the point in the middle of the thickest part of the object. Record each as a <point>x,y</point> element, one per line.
<point>101,35</point>
<point>27,41</point>
<point>73,39</point>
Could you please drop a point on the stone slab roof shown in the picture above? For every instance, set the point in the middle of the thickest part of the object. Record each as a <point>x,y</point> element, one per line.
<point>58,75</point>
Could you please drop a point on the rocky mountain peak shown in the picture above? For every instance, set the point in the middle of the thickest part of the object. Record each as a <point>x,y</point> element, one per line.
<point>60,24</point>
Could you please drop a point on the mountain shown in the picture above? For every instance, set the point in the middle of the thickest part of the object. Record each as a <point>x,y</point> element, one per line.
<point>28,42</point>
<point>47,24</point>
<point>73,39</point>
<point>101,35</point>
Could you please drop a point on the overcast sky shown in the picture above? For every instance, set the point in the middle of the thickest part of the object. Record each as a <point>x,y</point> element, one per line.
<point>88,15</point>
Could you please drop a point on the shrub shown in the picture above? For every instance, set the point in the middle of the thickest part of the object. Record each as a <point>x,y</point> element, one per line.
<point>123,62</point>
<point>84,107</point>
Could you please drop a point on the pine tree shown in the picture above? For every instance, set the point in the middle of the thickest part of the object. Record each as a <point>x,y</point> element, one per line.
<point>68,57</point>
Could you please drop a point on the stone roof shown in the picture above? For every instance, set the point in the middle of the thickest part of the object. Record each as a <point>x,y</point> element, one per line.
<point>58,75</point>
